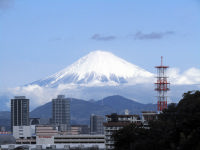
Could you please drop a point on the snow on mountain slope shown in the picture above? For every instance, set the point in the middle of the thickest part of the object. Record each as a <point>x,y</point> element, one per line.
<point>97,68</point>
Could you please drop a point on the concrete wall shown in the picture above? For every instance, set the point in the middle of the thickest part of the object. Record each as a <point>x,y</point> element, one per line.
<point>22,131</point>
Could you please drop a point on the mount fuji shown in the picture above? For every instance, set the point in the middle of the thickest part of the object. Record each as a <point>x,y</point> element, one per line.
<point>98,68</point>
<point>100,74</point>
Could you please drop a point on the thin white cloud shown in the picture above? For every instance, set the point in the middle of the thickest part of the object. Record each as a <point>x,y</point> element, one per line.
<point>188,77</point>
<point>40,95</point>
<point>37,94</point>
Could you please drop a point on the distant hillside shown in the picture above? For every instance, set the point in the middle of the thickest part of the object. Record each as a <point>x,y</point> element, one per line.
<point>118,104</point>
<point>5,119</point>
<point>81,109</point>
<point>43,111</point>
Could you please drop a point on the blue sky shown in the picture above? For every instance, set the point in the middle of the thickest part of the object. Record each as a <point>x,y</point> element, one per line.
<point>39,38</point>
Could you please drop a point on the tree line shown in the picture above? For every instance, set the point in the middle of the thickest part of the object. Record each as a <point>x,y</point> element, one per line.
<point>176,128</point>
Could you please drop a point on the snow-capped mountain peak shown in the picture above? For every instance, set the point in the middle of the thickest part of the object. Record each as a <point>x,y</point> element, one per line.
<point>97,68</point>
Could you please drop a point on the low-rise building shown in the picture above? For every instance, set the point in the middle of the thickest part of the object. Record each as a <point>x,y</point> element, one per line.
<point>23,131</point>
<point>148,116</point>
<point>24,134</point>
<point>52,146</point>
<point>84,140</point>
<point>79,139</point>
<point>116,122</point>
<point>79,129</point>
<point>45,134</point>
<point>31,140</point>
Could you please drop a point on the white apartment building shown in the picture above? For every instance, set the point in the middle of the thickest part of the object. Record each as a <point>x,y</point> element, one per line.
<point>23,131</point>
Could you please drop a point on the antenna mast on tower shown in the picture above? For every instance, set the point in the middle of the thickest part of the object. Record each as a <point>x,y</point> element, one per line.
<point>162,86</point>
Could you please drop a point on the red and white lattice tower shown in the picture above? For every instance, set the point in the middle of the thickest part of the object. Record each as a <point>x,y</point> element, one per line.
<point>162,86</point>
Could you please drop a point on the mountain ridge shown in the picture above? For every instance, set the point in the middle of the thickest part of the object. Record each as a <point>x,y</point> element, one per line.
<point>82,109</point>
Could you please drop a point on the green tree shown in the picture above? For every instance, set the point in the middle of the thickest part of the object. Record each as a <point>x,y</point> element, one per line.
<point>177,128</point>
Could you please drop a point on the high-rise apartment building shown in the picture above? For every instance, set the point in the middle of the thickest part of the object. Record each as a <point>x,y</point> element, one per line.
<point>96,124</point>
<point>61,112</point>
<point>19,111</point>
